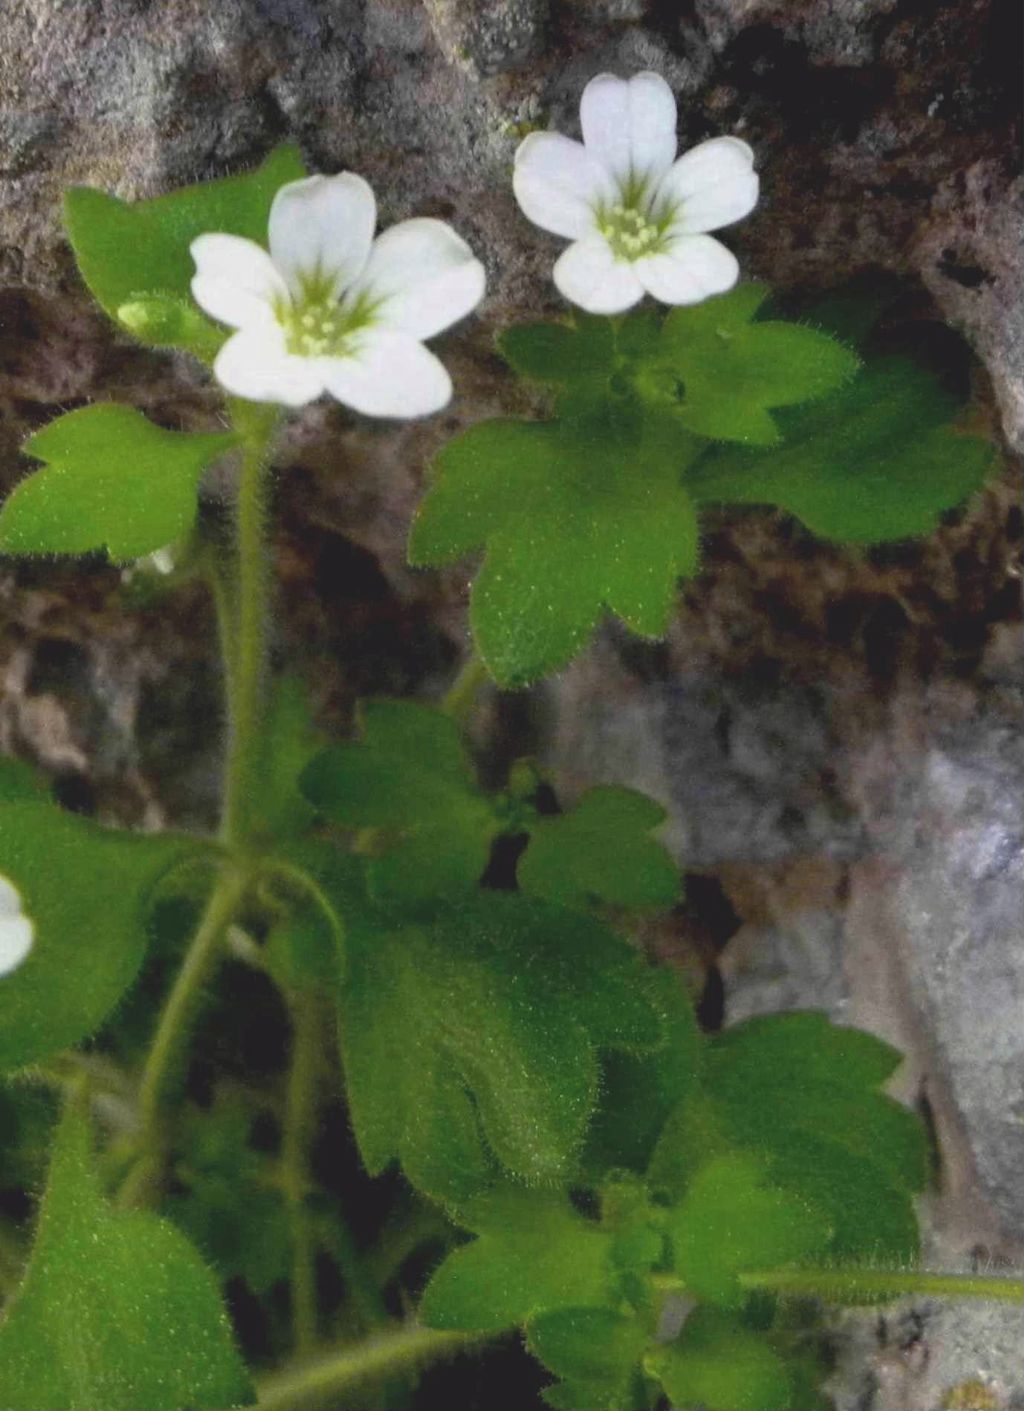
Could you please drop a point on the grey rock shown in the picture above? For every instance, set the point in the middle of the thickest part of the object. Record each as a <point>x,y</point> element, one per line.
<point>949,820</point>
<point>488,36</point>
<point>742,768</point>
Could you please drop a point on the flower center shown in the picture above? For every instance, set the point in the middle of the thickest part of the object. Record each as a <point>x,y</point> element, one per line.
<point>317,328</point>
<point>630,232</point>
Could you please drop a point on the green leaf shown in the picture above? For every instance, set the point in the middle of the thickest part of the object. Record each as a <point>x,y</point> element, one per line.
<point>561,352</point>
<point>116,1311</point>
<point>601,851</point>
<point>872,1219</point>
<point>86,891</point>
<point>577,517</point>
<point>224,1193</point>
<point>597,1349</point>
<point>732,1220</point>
<point>484,1025</point>
<point>878,461</point>
<point>640,1090</point>
<point>777,1076</point>
<point>734,369</point>
<point>533,1254</point>
<point>720,1365</point>
<point>409,775</point>
<point>112,481</point>
<point>20,783</point>
<point>803,1094</point>
<point>136,254</point>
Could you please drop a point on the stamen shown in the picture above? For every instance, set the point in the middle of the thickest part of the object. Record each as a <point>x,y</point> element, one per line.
<point>630,232</point>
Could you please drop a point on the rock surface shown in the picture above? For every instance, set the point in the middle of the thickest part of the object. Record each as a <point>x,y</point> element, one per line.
<point>836,735</point>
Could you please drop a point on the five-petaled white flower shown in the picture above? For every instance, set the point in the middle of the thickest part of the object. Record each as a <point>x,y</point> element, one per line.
<point>330,309</point>
<point>16,931</point>
<point>638,217</point>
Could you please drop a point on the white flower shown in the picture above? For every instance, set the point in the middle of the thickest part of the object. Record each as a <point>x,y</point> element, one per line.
<point>330,309</point>
<point>16,931</point>
<point>637,216</point>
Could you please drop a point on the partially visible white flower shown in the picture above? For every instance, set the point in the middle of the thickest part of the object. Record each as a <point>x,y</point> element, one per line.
<point>16,931</point>
<point>638,218</point>
<point>330,309</point>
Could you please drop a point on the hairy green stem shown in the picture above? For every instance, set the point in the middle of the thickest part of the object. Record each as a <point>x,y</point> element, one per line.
<point>839,1284</point>
<point>311,1385</point>
<point>299,1125</point>
<point>174,1025</point>
<point>245,672</point>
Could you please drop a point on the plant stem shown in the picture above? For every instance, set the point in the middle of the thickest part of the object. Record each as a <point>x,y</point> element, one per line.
<point>460,698</point>
<point>246,671</point>
<point>299,1123</point>
<point>174,1025</point>
<point>838,1284</point>
<point>311,1384</point>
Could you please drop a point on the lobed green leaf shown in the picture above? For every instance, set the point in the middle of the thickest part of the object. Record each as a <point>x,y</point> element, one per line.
<point>732,1219</point>
<point>86,890</point>
<point>116,1310</point>
<point>880,460</point>
<point>112,481</point>
<point>734,369</point>
<point>577,517</point>
<point>134,256</point>
<point>601,851</point>
<point>474,1039</point>
<point>409,774</point>
<point>720,1365</point>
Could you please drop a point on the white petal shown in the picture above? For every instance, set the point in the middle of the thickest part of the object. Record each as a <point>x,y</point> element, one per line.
<point>712,185</point>
<point>421,277</point>
<point>255,364</point>
<point>588,274</point>
<point>321,229</point>
<point>16,937</point>
<point>558,184</point>
<point>630,125</point>
<point>691,268</point>
<point>235,280</point>
<point>10,899</point>
<point>388,374</point>
<point>16,931</point>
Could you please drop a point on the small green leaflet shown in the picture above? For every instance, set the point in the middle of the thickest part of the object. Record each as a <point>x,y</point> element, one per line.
<point>596,1351</point>
<point>86,890</point>
<point>640,1090</point>
<point>717,369</point>
<point>802,1096</point>
<point>533,1254</point>
<point>721,1365</point>
<point>409,774</point>
<point>601,850</point>
<point>577,516</point>
<point>134,256</point>
<point>595,511</point>
<point>733,369</point>
<point>112,481</point>
<point>116,1310</point>
<point>225,1190</point>
<point>879,460</point>
<point>473,1039</point>
<point>732,1220</point>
